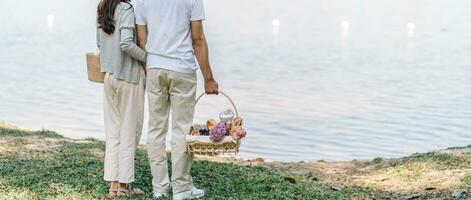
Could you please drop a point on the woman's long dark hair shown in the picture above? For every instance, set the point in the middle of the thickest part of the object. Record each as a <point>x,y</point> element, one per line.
<point>106,10</point>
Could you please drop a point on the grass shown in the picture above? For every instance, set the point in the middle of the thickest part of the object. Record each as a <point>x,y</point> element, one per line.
<point>45,165</point>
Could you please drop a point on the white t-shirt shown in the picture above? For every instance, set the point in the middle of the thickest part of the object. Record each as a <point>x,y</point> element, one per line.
<point>169,43</point>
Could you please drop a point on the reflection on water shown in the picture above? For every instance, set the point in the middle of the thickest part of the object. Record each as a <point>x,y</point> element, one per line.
<point>276,27</point>
<point>345,28</point>
<point>411,27</point>
<point>307,87</point>
<point>50,22</point>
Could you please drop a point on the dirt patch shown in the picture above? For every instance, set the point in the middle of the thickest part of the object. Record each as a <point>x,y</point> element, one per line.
<point>28,146</point>
<point>399,176</point>
<point>97,153</point>
<point>457,151</point>
<point>7,125</point>
<point>415,177</point>
<point>37,146</point>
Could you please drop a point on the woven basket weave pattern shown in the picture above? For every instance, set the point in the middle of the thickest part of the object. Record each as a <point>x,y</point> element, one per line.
<point>214,149</point>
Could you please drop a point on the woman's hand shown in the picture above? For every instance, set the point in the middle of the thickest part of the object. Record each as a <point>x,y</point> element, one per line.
<point>144,66</point>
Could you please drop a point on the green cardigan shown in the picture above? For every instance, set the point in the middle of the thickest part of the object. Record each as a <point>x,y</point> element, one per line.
<point>119,54</point>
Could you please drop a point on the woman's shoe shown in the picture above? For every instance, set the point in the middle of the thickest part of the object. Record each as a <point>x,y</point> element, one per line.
<point>128,191</point>
<point>113,192</point>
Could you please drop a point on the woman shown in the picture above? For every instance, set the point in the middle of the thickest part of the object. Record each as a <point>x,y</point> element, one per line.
<point>124,86</point>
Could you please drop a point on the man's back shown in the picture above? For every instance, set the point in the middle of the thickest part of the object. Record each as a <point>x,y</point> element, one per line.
<point>173,34</point>
<point>169,42</point>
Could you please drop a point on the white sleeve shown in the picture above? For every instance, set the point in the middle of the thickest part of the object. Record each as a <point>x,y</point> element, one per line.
<point>197,11</point>
<point>139,13</point>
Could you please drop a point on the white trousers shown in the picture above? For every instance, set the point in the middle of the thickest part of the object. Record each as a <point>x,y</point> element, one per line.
<point>168,90</point>
<point>124,115</point>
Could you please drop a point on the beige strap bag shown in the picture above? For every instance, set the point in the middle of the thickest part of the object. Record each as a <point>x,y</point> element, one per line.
<point>94,68</point>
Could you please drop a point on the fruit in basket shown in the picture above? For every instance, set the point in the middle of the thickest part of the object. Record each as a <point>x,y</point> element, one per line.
<point>195,133</point>
<point>211,123</point>
<point>204,132</point>
<point>238,121</point>
<point>238,132</point>
<point>218,132</point>
<point>229,128</point>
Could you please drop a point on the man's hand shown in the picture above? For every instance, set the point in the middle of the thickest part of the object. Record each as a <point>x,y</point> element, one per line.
<point>142,33</point>
<point>211,87</point>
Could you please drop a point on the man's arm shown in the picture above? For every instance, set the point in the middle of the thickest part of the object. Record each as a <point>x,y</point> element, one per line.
<point>142,36</point>
<point>201,51</point>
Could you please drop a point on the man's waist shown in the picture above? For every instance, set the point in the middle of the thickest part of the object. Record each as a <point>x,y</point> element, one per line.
<point>168,57</point>
<point>183,65</point>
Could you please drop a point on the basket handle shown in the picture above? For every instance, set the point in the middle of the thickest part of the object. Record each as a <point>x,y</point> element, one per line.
<point>227,96</point>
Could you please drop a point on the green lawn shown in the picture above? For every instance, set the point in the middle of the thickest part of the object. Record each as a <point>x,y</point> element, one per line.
<point>45,165</point>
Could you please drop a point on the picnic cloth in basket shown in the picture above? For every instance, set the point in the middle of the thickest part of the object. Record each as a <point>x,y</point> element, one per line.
<point>207,140</point>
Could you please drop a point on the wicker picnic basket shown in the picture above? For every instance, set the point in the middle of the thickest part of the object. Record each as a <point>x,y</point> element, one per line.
<point>203,145</point>
<point>94,68</point>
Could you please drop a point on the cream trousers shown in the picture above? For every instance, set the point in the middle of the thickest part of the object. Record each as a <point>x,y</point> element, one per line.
<point>124,115</point>
<point>170,91</point>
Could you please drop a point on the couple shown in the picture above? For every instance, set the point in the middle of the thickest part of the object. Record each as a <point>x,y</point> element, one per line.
<point>151,44</point>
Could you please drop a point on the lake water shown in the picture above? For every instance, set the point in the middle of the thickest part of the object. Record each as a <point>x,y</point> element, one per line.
<point>313,79</point>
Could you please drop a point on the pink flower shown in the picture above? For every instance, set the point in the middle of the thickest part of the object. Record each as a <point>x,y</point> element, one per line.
<point>238,133</point>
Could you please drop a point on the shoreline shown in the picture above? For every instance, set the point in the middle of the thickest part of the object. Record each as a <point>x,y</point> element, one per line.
<point>247,157</point>
<point>442,174</point>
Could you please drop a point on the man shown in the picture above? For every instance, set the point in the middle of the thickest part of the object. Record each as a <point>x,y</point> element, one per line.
<point>171,31</point>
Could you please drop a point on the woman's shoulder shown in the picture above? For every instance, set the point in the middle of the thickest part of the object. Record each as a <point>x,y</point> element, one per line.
<point>127,7</point>
<point>126,14</point>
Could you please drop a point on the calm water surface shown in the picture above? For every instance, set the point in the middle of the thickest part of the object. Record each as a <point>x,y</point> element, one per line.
<point>336,80</point>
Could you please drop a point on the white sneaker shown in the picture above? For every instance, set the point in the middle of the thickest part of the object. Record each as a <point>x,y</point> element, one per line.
<point>160,195</point>
<point>190,194</point>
